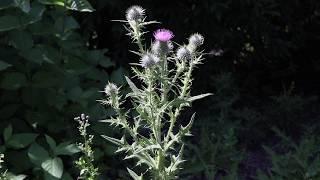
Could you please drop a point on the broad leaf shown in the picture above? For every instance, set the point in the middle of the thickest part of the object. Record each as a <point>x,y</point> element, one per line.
<point>6,4</point>
<point>51,142</point>
<point>37,154</point>
<point>66,149</point>
<point>16,177</point>
<point>76,5</point>
<point>53,166</point>
<point>21,39</point>
<point>24,5</point>
<point>13,80</point>
<point>7,133</point>
<point>21,140</point>
<point>9,22</point>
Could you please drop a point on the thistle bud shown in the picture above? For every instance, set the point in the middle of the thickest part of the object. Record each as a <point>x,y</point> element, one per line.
<point>111,89</point>
<point>183,53</point>
<point>148,60</point>
<point>195,41</point>
<point>135,13</point>
<point>161,48</point>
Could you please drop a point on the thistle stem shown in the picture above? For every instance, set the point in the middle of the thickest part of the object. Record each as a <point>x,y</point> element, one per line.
<point>182,95</point>
<point>137,35</point>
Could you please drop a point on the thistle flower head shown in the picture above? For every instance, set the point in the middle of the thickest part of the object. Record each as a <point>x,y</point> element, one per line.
<point>161,48</point>
<point>111,89</point>
<point>135,13</point>
<point>148,60</point>
<point>183,53</point>
<point>195,41</point>
<point>163,35</point>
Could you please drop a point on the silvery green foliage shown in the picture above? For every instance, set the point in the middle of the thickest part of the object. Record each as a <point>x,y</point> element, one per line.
<point>154,138</point>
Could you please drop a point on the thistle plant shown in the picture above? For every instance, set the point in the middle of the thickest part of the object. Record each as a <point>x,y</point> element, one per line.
<point>153,135</point>
<point>85,162</point>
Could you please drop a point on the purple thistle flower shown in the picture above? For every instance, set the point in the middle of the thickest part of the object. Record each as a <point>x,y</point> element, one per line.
<point>163,35</point>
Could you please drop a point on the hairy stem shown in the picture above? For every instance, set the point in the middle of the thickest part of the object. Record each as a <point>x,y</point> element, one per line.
<point>186,83</point>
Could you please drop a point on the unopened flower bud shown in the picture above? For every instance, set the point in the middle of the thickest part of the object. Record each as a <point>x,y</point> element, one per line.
<point>148,60</point>
<point>161,48</point>
<point>135,13</point>
<point>195,41</point>
<point>111,89</point>
<point>183,53</point>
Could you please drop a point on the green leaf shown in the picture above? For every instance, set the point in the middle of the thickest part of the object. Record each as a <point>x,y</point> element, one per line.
<point>95,57</point>
<point>45,79</point>
<point>119,142</point>
<point>16,177</point>
<point>134,175</point>
<point>133,87</point>
<point>80,5</point>
<point>51,142</point>
<point>53,2</point>
<point>21,140</point>
<point>117,76</point>
<point>21,39</point>
<point>9,22</point>
<point>193,98</point>
<point>7,133</point>
<point>13,80</point>
<point>76,5</point>
<point>24,5</point>
<point>53,166</point>
<point>106,62</point>
<point>66,149</point>
<point>6,4</point>
<point>66,23</point>
<point>37,55</point>
<point>37,154</point>
<point>74,93</point>
<point>4,65</point>
<point>34,15</point>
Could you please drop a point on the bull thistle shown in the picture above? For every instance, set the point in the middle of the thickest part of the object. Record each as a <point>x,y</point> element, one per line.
<point>152,135</point>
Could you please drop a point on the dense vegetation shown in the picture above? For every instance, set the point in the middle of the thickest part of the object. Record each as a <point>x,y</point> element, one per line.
<point>262,64</point>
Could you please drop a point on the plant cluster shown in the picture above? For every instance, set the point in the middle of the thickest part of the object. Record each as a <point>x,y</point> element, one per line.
<point>291,160</point>
<point>85,163</point>
<point>154,137</point>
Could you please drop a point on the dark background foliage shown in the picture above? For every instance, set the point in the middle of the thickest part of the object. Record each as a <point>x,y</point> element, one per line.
<point>262,65</point>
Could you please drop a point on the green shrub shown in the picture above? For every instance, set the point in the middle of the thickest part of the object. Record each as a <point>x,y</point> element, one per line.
<point>47,75</point>
<point>295,161</point>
